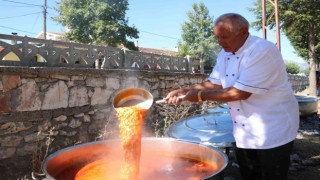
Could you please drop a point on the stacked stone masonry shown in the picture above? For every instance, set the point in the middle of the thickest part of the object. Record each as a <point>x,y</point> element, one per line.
<point>69,106</point>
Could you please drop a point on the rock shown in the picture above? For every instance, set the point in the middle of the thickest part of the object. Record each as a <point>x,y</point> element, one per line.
<point>61,118</point>
<point>74,123</point>
<point>78,97</point>
<point>7,152</point>
<point>10,81</point>
<point>78,115</point>
<point>10,141</point>
<point>56,97</point>
<point>100,96</point>
<point>95,82</point>
<point>86,118</point>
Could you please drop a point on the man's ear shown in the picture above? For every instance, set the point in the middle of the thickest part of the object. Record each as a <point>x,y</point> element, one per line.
<point>244,31</point>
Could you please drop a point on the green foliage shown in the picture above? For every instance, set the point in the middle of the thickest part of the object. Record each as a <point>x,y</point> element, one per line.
<point>305,71</point>
<point>197,37</point>
<point>100,22</point>
<point>292,68</point>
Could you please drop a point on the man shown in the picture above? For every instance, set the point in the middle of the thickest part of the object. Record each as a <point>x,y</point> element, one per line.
<point>250,75</point>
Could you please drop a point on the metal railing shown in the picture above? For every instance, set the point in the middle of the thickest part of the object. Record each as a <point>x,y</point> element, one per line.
<point>26,51</point>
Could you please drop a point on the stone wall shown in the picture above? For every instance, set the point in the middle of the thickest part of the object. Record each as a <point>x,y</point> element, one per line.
<point>64,106</point>
<point>298,82</point>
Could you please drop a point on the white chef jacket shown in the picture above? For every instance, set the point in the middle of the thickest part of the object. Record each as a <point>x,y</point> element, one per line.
<point>270,116</point>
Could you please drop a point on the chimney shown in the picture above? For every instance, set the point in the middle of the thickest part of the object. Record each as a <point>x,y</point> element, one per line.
<point>13,41</point>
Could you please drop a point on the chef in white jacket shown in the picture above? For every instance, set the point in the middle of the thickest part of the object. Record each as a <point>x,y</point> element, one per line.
<point>250,75</point>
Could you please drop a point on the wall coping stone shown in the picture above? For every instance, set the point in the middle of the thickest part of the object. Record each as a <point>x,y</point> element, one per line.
<point>85,71</point>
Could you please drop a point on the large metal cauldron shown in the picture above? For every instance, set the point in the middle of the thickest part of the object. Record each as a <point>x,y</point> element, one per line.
<point>80,155</point>
<point>308,105</point>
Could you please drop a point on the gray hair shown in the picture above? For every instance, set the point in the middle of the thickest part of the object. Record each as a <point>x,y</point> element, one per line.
<point>233,20</point>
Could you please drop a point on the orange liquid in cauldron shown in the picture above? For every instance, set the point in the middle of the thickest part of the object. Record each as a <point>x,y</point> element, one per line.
<point>131,166</point>
<point>152,168</point>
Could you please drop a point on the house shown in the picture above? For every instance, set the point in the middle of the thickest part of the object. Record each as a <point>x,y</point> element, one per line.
<point>52,36</point>
<point>195,62</point>
<point>158,51</point>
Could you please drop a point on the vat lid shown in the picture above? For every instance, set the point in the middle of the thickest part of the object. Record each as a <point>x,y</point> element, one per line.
<point>220,108</point>
<point>303,99</point>
<point>215,129</point>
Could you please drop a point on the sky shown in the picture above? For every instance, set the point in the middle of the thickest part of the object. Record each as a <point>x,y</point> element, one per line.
<point>158,21</point>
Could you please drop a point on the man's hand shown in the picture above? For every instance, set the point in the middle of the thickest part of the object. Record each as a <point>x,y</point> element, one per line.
<point>173,96</point>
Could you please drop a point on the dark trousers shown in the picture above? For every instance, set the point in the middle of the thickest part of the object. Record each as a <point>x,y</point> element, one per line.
<point>265,164</point>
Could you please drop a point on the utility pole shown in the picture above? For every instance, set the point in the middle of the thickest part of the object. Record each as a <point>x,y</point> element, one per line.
<point>276,16</point>
<point>45,20</point>
<point>264,30</point>
<point>276,11</point>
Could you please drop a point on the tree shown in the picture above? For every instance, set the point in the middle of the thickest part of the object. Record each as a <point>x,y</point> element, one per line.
<point>100,22</point>
<point>299,22</point>
<point>292,68</point>
<point>197,38</point>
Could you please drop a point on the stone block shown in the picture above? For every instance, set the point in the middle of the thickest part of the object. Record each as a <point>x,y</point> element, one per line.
<point>78,97</point>
<point>29,99</point>
<point>60,77</point>
<point>27,149</point>
<point>7,152</point>
<point>56,97</point>
<point>34,137</point>
<point>86,118</point>
<point>4,105</point>
<point>11,141</point>
<point>95,82</point>
<point>78,78</point>
<point>75,123</point>
<point>10,81</point>
<point>113,83</point>
<point>60,118</point>
<point>100,96</point>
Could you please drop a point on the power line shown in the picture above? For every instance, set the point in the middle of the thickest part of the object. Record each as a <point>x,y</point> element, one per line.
<point>25,4</point>
<point>22,3</point>
<point>18,30</point>
<point>35,22</point>
<point>15,6</point>
<point>54,9</point>
<point>20,15</point>
<point>160,35</point>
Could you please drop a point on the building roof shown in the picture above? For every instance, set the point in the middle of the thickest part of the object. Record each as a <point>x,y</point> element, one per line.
<point>158,51</point>
<point>52,36</point>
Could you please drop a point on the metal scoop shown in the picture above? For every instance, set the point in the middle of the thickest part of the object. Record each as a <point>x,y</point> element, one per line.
<point>133,97</point>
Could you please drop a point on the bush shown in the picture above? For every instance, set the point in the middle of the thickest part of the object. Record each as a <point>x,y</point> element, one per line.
<point>292,68</point>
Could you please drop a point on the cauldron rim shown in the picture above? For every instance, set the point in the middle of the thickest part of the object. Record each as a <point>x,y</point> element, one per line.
<point>51,156</point>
